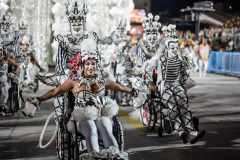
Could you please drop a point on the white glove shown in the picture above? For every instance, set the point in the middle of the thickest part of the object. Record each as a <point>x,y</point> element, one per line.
<point>32,104</point>
<point>29,110</point>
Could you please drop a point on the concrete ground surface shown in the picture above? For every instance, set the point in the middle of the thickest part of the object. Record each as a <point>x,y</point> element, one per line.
<point>215,100</point>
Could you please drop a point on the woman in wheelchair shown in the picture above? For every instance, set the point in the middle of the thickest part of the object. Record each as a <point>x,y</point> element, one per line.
<point>4,86</point>
<point>27,66</point>
<point>92,110</point>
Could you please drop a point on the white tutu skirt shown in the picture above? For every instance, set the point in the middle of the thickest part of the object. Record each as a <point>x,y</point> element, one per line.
<point>109,109</point>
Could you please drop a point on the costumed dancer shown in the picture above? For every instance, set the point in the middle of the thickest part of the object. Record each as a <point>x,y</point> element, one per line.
<point>92,110</point>
<point>4,85</point>
<point>123,57</point>
<point>8,38</point>
<point>28,65</point>
<point>148,47</point>
<point>170,68</point>
<point>23,26</point>
<point>70,45</point>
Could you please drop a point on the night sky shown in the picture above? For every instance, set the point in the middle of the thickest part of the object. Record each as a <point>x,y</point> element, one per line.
<point>174,6</point>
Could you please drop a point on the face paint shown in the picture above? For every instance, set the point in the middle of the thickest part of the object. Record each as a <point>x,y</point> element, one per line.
<point>151,39</point>
<point>90,67</point>
<point>25,47</point>
<point>77,28</point>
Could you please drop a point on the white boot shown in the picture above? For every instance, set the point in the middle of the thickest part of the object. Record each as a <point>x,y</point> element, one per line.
<point>196,135</point>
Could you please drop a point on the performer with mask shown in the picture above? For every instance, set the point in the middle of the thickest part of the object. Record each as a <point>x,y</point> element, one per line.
<point>170,68</point>
<point>28,65</point>
<point>91,108</point>
<point>7,37</point>
<point>4,86</point>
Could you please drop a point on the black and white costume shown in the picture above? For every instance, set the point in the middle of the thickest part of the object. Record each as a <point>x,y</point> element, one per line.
<point>4,85</point>
<point>172,75</point>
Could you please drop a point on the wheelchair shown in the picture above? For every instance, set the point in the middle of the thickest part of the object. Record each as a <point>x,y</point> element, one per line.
<point>14,97</point>
<point>71,146</point>
<point>152,113</point>
<point>19,60</point>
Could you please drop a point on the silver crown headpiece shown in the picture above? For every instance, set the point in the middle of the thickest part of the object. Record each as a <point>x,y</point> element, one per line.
<point>5,20</point>
<point>169,31</point>
<point>76,11</point>
<point>23,25</point>
<point>150,24</point>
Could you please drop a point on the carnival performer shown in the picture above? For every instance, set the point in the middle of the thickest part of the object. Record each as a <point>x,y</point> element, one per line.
<point>28,65</point>
<point>23,27</point>
<point>123,57</point>
<point>91,108</point>
<point>4,86</point>
<point>8,38</point>
<point>149,45</point>
<point>204,51</point>
<point>70,44</point>
<point>170,68</point>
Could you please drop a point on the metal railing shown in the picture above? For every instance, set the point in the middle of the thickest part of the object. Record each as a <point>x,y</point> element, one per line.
<point>224,62</point>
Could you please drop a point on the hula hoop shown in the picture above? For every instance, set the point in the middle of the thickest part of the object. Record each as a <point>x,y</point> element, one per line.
<point>44,129</point>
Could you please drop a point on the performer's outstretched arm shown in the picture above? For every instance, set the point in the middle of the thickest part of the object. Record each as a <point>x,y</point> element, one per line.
<point>65,87</point>
<point>117,87</point>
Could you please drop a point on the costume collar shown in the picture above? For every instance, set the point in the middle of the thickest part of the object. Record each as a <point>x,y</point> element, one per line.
<point>88,81</point>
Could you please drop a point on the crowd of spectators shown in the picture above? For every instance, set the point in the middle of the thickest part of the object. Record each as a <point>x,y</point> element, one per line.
<point>219,38</point>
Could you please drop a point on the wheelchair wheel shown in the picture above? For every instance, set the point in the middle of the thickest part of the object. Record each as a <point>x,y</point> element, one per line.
<point>118,133</point>
<point>65,147</point>
<point>148,115</point>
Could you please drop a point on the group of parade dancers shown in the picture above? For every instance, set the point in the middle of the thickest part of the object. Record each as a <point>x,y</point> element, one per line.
<point>87,70</point>
<point>17,60</point>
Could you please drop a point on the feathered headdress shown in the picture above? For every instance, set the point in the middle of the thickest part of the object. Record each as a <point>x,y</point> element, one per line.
<point>5,20</point>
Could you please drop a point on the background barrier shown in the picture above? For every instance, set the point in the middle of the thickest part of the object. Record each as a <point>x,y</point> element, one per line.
<point>224,62</point>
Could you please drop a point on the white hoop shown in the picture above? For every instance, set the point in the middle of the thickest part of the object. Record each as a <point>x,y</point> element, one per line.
<point>44,129</point>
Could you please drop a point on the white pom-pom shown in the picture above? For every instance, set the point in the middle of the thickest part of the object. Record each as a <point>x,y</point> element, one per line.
<point>174,26</point>
<point>157,17</point>
<point>164,28</point>
<point>85,113</point>
<point>78,114</point>
<point>169,27</point>
<point>111,108</point>
<point>91,113</point>
<point>150,15</point>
